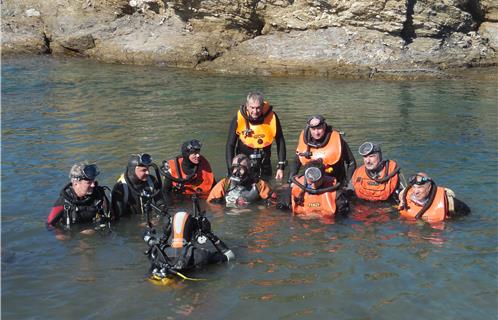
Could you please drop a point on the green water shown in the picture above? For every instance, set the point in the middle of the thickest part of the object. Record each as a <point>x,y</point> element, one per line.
<point>371,265</point>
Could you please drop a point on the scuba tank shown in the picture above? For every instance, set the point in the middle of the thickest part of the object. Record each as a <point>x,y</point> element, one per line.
<point>183,233</point>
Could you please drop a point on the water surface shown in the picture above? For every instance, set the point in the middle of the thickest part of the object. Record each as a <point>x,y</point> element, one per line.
<point>371,265</point>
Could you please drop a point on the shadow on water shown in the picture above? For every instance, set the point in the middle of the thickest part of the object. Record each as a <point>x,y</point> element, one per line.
<point>370,265</point>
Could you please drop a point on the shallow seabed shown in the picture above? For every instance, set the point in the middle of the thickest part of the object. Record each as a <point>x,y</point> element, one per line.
<point>371,265</point>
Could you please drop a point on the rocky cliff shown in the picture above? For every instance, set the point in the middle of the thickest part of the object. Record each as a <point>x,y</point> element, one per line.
<point>336,38</point>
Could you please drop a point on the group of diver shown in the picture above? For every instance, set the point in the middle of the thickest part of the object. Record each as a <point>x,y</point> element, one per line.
<point>323,178</point>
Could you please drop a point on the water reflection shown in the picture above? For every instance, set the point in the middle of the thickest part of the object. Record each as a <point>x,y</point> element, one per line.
<point>55,112</point>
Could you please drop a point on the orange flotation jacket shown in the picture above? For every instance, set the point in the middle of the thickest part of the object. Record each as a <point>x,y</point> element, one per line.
<point>257,136</point>
<point>380,188</point>
<point>306,201</point>
<point>435,210</point>
<point>199,182</point>
<point>330,151</point>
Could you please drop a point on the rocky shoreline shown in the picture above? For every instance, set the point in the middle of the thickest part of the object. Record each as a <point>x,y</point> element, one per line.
<point>356,39</point>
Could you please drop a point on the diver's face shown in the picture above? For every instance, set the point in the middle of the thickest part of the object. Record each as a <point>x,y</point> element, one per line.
<point>371,161</point>
<point>194,157</point>
<point>317,132</point>
<point>239,172</point>
<point>421,192</point>
<point>314,185</point>
<point>142,173</point>
<point>83,187</point>
<point>254,109</point>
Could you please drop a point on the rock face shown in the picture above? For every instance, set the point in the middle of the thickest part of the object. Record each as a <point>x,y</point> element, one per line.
<point>340,38</point>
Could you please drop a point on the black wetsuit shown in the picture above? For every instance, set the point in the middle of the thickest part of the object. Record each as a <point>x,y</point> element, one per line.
<point>234,146</point>
<point>135,201</point>
<point>78,210</point>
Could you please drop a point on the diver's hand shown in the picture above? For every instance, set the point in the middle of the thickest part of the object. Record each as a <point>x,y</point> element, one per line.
<point>150,237</point>
<point>229,254</point>
<point>280,174</point>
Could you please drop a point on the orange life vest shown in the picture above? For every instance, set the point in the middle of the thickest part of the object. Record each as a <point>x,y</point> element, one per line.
<point>330,153</point>
<point>257,135</point>
<point>368,189</point>
<point>322,204</point>
<point>202,181</point>
<point>437,212</point>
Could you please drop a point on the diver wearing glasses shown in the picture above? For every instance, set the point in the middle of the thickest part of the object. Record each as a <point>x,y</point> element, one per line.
<point>252,132</point>
<point>423,199</point>
<point>82,200</point>
<point>376,179</point>
<point>241,188</point>
<point>136,187</point>
<point>188,173</point>
<point>318,140</point>
<point>316,194</point>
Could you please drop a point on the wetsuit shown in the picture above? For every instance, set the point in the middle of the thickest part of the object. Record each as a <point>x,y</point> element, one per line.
<point>235,146</point>
<point>187,243</point>
<point>130,201</point>
<point>73,210</point>
<point>343,169</point>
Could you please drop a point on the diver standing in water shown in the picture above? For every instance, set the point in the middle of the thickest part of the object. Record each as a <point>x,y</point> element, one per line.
<point>252,132</point>
<point>241,187</point>
<point>376,179</point>
<point>136,187</point>
<point>82,200</point>
<point>318,140</point>
<point>187,174</point>
<point>187,242</point>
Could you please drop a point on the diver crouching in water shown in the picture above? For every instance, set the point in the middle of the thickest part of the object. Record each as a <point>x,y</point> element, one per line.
<point>82,201</point>
<point>187,174</point>
<point>315,194</point>
<point>137,190</point>
<point>187,243</point>
<point>241,187</point>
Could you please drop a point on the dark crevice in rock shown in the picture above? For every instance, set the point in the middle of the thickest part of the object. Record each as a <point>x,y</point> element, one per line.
<point>204,55</point>
<point>46,40</point>
<point>476,11</point>
<point>72,51</point>
<point>408,31</point>
<point>153,6</point>
<point>126,10</point>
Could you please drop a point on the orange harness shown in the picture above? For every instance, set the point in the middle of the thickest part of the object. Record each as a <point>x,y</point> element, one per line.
<point>367,188</point>
<point>257,136</point>
<point>322,203</point>
<point>200,183</point>
<point>437,211</point>
<point>330,153</point>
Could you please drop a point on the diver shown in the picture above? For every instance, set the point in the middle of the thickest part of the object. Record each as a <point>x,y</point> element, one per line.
<point>136,190</point>
<point>241,188</point>
<point>252,132</point>
<point>318,140</point>
<point>423,199</point>
<point>315,193</point>
<point>187,242</point>
<point>82,200</point>
<point>376,179</point>
<point>187,174</point>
